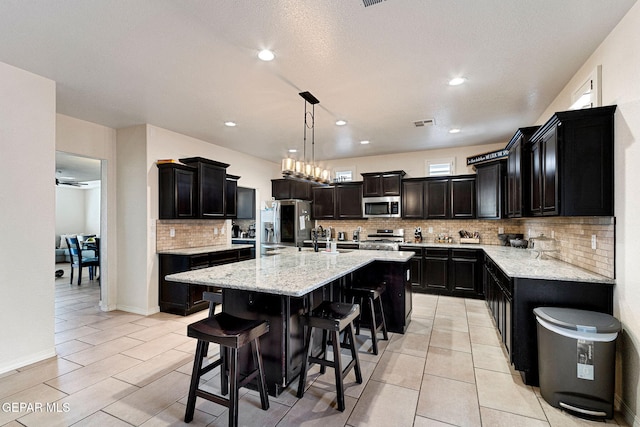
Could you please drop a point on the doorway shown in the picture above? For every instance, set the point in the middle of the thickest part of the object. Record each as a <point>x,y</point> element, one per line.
<point>79,200</point>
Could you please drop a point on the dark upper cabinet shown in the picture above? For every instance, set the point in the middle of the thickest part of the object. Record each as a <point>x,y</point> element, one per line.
<point>348,197</point>
<point>282,189</point>
<point>463,197</point>
<point>376,184</point>
<point>177,187</point>
<point>437,198</point>
<point>340,201</point>
<point>211,189</point>
<point>246,203</point>
<point>413,198</point>
<point>572,164</point>
<point>231,196</point>
<point>518,170</point>
<point>490,189</point>
<point>323,206</point>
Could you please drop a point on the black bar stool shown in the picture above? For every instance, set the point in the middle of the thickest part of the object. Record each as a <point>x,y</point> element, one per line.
<point>333,317</point>
<point>230,333</point>
<point>371,295</point>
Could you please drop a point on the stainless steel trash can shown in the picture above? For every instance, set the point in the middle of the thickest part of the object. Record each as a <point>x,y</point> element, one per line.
<point>576,360</point>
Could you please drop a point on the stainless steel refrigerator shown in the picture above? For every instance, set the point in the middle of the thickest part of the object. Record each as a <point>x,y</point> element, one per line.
<point>285,222</point>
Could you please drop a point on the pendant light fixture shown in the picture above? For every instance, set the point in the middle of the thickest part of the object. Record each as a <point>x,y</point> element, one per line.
<point>302,169</point>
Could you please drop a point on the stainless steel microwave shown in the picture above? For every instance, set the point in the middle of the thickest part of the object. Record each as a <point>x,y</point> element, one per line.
<point>381,207</point>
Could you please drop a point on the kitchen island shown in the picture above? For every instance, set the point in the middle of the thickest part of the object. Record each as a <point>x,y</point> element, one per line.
<point>287,283</point>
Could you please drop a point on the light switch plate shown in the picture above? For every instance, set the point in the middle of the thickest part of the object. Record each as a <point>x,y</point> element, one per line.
<point>172,232</point>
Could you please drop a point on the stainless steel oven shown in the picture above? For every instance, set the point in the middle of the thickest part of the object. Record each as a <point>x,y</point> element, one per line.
<point>381,207</point>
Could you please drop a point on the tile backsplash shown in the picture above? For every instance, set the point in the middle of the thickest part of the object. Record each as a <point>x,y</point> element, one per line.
<point>191,233</point>
<point>572,233</point>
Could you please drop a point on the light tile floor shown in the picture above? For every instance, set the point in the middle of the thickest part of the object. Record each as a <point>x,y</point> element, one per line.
<point>122,369</point>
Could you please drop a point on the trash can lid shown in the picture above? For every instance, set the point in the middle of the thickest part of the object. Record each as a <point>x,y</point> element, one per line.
<point>578,320</point>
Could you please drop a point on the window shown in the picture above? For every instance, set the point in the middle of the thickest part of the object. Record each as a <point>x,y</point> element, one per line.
<point>440,167</point>
<point>344,174</point>
<point>588,94</point>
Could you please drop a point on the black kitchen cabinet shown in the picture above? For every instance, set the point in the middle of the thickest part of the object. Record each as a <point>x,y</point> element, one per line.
<point>340,201</point>
<point>437,198</point>
<point>447,271</point>
<point>518,172</point>
<point>377,184</point>
<point>463,197</point>
<point>246,203</point>
<point>185,298</point>
<point>413,198</point>
<point>324,202</point>
<point>176,191</point>
<point>348,199</point>
<point>490,190</point>
<point>282,189</point>
<point>211,186</point>
<point>231,196</point>
<point>451,197</point>
<point>512,300</point>
<point>572,161</point>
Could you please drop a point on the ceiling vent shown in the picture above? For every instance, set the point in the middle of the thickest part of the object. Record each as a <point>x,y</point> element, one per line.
<point>368,3</point>
<point>423,123</point>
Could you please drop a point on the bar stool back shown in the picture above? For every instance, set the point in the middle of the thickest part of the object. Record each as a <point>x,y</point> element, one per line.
<point>334,318</point>
<point>370,295</point>
<point>231,333</point>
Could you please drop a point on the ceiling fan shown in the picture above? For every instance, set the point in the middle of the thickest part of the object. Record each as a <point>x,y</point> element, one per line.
<point>70,183</point>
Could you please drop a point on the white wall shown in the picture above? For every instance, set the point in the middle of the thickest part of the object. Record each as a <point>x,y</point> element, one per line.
<point>619,56</point>
<point>27,142</point>
<point>413,163</point>
<point>70,210</point>
<point>92,211</point>
<point>88,139</point>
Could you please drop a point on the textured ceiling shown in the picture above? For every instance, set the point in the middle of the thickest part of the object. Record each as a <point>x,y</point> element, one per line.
<point>189,66</point>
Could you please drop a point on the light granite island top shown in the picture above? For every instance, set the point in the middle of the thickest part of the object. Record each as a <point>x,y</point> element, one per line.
<point>287,271</point>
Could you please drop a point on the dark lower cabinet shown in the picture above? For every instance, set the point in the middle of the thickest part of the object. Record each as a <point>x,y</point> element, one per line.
<point>184,298</point>
<point>512,300</point>
<point>451,271</point>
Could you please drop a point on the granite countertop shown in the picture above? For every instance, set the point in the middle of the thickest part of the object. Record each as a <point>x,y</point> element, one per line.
<point>287,271</point>
<point>205,249</point>
<point>524,263</point>
<point>252,239</point>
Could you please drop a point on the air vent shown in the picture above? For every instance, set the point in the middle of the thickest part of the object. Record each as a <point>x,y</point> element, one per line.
<point>422,123</point>
<point>368,3</point>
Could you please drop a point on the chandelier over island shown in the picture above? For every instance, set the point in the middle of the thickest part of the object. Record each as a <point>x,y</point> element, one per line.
<point>301,169</point>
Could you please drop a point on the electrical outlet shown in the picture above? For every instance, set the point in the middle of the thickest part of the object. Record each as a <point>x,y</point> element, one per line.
<point>529,234</point>
<point>172,232</point>
<point>553,234</point>
<point>430,229</point>
<point>593,241</point>
<point>222,230</point>
<point>215,231</point>
<point>500,230</point>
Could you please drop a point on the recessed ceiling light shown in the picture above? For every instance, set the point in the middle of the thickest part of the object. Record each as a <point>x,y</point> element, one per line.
<point>454,130</point>
<point>365,142</point>
<point>293,150</point>
<point>341,122</point>
<point>230,124</point>
<point>266,55</point>
<point>457,81</point>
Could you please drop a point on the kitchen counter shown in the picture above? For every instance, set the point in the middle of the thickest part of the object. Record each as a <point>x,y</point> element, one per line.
<point>523,263</point>
<point>287,271</point>
<point>205,249</point>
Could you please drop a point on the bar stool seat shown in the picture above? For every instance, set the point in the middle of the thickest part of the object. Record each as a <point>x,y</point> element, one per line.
<point>333,317</point>
<point>371,295</point>
<point>231,333</point>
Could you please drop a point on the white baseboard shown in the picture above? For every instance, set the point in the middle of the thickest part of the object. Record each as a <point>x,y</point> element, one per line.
<point>138,310</point>
<point>628,415</point>
<point>28,360</point>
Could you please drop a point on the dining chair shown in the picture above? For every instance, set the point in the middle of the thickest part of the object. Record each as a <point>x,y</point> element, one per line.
<point>79,261</point>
